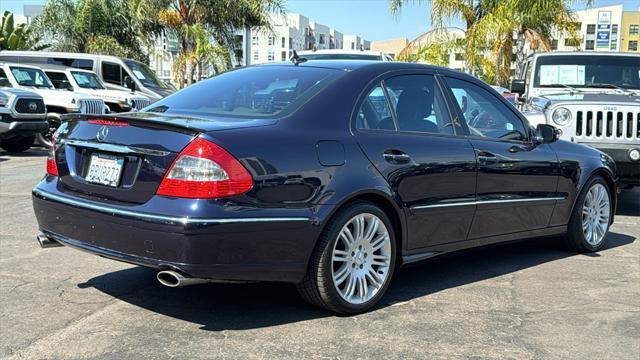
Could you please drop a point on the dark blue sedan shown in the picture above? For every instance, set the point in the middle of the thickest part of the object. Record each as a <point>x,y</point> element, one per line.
<point>325,174</point>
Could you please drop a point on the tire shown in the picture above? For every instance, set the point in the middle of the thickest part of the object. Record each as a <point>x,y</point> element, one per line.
<point>593,211</point>
<point>18,144</point>
<point>364,268</point>
<point>44,139</point>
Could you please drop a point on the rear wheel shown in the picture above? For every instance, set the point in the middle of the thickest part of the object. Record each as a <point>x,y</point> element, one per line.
<point>353,262</point>
<point>591,217</point>
<point>17,144</point>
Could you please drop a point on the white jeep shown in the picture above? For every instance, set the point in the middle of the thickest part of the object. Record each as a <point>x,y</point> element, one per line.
<point>57,102</point>
<point>593,98</point>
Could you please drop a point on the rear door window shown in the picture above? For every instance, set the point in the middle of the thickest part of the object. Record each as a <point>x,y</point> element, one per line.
<point>56,78</point>
<point>374,112</point>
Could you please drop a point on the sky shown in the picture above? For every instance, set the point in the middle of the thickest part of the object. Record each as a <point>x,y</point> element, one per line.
<point>368,18</point>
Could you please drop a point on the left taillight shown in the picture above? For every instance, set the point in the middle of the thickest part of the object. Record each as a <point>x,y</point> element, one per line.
<point>52,167</point>
<point>205,170</point>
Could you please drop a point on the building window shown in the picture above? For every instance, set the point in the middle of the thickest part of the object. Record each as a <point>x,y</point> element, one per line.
<point>290,43</point>
<point>284,56</point>
<point>272,40</point>
<point>254,40</point>
<point>353,45</point>
<point>255,56</point>
<point>614,28</point>
<point>614,45</point>
<point>633,29</point>
<point>283,43</point>
<point>591,29</point>
<point>554,44</point>
<point>589,45</point>
<point>633,45</point>
<point>321,39</point>
<point>459,57</point>
<point>271,56</point>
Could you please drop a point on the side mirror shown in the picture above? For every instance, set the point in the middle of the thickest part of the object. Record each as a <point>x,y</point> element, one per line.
<point>518,86</point>
<point>66,85</point>
<point>129,83</point>
<point>546,134</point>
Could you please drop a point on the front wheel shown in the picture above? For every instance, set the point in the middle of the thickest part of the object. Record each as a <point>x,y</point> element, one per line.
<point>353,262</point>
<point>591,217</point>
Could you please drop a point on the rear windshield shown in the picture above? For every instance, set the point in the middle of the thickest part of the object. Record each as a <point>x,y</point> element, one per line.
<point>262,91</point>
<point>340,57</point>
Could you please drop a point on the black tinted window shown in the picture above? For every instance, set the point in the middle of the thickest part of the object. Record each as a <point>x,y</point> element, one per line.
<point>486,115</point>
<point>250,92</point>
<point>56,78</point>
<point>418,104</point>
<point>374,112</point>
<point>4,80</point>
<point>76,63</point>
<point>112,73</point>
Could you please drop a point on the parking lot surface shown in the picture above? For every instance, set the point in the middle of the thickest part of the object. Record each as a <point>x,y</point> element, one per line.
<point>520,300</point>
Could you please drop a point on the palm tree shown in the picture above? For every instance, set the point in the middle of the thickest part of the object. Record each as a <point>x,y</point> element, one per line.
<point>19,37</point>
<point>218,18</point>
<point>469,11</point>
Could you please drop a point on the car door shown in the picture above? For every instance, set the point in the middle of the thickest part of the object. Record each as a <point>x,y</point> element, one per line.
<point>517,178</point>
<point>405,128</point>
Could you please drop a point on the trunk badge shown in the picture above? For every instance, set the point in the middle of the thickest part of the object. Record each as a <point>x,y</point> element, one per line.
<point>102,133</point>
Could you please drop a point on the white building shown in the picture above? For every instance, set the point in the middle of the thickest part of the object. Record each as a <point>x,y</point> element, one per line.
<point>598,30</point>
<point>293,31</point>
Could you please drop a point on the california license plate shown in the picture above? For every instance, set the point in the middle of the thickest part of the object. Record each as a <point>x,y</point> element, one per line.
<point>105,170</point>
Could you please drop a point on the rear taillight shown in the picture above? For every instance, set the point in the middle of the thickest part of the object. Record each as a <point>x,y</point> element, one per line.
<point>205,170</point>
<point>52,168</point>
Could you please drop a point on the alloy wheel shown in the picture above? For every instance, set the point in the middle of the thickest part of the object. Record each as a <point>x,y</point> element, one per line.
<point>595,214</point>
<point>361,258</point>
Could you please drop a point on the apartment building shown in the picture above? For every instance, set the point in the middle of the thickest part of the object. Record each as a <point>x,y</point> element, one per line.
<point>630,34</point>
<point>294,31</point>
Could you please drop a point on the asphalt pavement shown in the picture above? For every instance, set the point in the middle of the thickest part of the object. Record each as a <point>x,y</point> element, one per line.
<point>525,300</point>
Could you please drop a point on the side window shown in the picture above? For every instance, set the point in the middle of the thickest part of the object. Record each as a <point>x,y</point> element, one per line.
<point>418,104</point>
<point>4,80</point>
<point>56,78</point>
<point>112,73</point>
<point>374,112</point>
<point>485,115</point>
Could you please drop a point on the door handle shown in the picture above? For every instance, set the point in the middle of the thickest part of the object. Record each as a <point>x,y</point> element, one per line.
<point>396,157</point>
<point>487,158</point>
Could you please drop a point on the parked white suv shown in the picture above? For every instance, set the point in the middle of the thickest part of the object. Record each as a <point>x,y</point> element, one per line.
<point>594,98</point>
<point>57,102</point>
<point>22,116</point>
<point>87,82</point>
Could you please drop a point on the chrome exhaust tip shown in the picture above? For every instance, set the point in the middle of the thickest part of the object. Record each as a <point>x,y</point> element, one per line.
<point>174,279</point>
<point>46,242</point>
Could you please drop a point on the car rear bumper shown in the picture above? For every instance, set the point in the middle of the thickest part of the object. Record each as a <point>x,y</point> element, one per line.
<point>253,245</point>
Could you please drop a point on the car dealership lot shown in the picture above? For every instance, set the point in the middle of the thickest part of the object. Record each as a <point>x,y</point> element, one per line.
<point>522,300</point>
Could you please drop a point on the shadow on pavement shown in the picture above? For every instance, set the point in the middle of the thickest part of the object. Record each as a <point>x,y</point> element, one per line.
<point>39,152</point>
<point>247,306</point>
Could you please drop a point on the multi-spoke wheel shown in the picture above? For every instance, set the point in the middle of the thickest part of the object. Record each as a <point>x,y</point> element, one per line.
<point>591,217</point>
<point>354,260</point>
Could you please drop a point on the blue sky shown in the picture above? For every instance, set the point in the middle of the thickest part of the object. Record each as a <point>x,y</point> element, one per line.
<point>369,18</point>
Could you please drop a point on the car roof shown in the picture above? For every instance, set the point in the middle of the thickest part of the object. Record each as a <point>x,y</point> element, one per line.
<point>2,63</point>
<point>340,51</point>
<point>351,65</point>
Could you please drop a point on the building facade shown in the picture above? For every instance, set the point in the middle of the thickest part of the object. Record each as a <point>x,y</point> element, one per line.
<point>630,31</point>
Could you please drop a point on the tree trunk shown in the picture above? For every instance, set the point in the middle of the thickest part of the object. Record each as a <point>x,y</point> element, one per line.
<point>520,55</point>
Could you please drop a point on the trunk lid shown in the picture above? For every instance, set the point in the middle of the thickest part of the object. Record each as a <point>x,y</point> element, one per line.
<point>143,146</point>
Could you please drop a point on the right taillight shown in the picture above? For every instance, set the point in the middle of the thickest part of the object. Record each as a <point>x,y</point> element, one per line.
<point>52,168</point>
<point>205,170</point>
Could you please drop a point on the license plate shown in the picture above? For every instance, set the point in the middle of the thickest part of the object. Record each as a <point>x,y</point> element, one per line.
<point>105,170</point>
